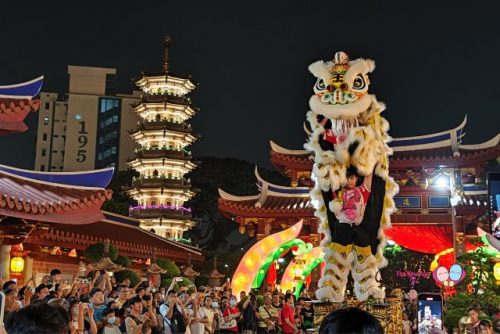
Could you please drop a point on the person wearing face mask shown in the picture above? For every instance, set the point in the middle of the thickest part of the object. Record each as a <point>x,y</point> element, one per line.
<point>231,315</point>
<point>215,307</point>
<point>206,309</point>
<point>109,321</point>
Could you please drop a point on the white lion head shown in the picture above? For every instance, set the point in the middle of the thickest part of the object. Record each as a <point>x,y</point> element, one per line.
<point>341,91</point>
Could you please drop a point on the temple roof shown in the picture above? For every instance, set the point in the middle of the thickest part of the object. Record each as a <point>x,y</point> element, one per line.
<point>156,83</point>
<point>16,102</point>
<point>272,199</point>
<point>98,178</point>
<point>438,149</point>
<point>40,200</point>
<point>124,233</point>
<point>449,138</point>
<point>22,91</point>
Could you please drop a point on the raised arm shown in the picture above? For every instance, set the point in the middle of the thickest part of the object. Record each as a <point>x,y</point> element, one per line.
<point>367,181</point>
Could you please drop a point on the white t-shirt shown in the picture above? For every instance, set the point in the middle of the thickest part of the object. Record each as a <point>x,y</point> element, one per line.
<point>197,327</point>
<point>406,327</point>
<point>111,330</point>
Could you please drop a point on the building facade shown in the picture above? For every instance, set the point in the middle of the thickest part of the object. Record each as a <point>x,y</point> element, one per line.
<point>162,158</point>
<point>88,127</point>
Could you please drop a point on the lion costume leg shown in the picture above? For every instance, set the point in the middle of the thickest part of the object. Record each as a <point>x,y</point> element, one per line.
<point>364,274</point>
<point>338,259</point>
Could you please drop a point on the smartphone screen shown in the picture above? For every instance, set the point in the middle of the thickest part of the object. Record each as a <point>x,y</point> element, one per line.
<point>2,306</point>
<point>430,312</point>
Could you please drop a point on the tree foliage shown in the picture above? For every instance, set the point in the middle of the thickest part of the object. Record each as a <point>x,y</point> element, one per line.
<point>124,274</point>
<point>121,201</point>
<point>122,260</point>
<point>170,267</point>
<point>478,289</point>
<point>96,251</point>
<point>214,232</point>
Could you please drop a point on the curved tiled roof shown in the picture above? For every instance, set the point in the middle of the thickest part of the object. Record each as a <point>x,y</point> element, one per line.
<point>16,102</point>
<point>37,200</point>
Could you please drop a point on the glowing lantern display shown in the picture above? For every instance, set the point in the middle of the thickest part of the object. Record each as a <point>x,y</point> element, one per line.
<point>496,272</point>
<point>250,265</point>
<point>17,264</point>
<point>310,260</point>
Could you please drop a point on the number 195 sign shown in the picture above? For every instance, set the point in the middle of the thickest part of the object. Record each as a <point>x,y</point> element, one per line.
<point>83,140</point>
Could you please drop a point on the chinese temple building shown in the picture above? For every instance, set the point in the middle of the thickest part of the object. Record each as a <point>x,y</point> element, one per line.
<point>48,219</point>
<point>443,194</point>
<point>162,159</point>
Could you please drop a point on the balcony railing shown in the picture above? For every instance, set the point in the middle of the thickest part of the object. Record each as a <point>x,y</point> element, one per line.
<point>162,153</point>
<point>165,125</point>
<point>150,182</point>
<point>154,211</point>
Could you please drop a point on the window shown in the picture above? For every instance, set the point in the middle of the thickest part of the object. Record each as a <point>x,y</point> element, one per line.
<point>44,137</point>
<point>42,168</point>
<point>54,151</point>
<point>47,105</point>
<point>110,84</point>
<point>113,150</point>
<point>44,152</point>
<point>45,121</point>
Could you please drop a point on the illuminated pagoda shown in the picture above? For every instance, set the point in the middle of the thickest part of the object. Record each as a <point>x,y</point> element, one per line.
<point>443,193</point>
<point>162,159</point>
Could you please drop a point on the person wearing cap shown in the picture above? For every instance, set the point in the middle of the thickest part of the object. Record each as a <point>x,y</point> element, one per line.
<point>41,292</point>
<point>9,285</point>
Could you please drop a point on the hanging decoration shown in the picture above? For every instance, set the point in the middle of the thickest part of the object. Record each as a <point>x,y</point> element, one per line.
<point>447,279</point>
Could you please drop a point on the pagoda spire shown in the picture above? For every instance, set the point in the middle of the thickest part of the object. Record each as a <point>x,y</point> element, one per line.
<point>166,48</point>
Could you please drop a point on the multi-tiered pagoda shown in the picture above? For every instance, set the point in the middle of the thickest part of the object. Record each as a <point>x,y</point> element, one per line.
<point>162,159</point>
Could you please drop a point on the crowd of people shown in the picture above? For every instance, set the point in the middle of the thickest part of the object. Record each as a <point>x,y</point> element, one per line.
<point>100,304</point>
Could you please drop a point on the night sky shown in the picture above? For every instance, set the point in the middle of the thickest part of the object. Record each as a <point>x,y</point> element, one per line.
<point>436,61</point>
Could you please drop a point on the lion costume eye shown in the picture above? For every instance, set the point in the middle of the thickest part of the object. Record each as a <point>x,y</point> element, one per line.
<point>359,82</point>
<point>320,84</point>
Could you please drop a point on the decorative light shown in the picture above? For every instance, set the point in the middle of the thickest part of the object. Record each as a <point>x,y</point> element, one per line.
<point>441,181</point>
<point>255,258</point>
<point>281,260</point>
<point>168,207</point>
<point>56,251</point>
<point>496,272</point>
<point>17,264</point>
<point>72,253</point>
<point>310,261</point>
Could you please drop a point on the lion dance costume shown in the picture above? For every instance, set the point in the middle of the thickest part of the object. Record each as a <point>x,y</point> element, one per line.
<point>348,133</point>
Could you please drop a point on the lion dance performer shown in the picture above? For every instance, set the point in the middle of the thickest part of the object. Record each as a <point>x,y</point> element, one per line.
<point>353,193</point>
